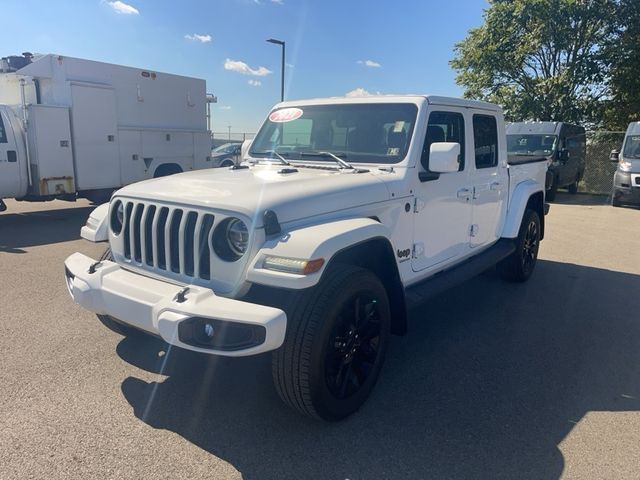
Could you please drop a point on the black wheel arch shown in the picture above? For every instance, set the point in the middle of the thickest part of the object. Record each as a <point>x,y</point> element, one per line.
<point>376,254</point>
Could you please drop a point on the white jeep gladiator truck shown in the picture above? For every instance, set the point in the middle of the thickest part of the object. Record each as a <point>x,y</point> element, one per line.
<point>346,212</point>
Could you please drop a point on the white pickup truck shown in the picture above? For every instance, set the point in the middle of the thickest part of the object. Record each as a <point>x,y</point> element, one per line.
<point>345,212</point>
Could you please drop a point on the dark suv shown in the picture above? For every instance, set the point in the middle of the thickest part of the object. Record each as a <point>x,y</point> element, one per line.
<point>563,144</point>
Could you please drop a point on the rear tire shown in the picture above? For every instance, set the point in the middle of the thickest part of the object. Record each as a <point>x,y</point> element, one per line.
<point>519,266</point>
<point>573,188</point>
<point>336,340</point>
<point>110,322</point>
<point>551,193</point>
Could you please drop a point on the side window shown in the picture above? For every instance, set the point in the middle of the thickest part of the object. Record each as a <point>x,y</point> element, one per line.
<point>443,127</point>
<point>3,133</point>
<point>485,138</point>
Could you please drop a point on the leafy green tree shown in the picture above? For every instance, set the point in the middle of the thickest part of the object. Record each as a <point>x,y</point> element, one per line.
<point>540,59</point>
<point>624,54</point>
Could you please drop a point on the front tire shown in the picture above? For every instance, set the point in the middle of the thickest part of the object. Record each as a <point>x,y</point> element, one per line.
<point>573,188</point>
<point>109,322</point>
<point>519,266</point>
<point>337,337</point>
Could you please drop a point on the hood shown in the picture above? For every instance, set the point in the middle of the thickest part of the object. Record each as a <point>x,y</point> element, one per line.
<point>253,190</point>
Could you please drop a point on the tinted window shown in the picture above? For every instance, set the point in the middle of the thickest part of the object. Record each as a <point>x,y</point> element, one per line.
<point>3,134</point>
<point>372,133</point>
<point>444,127</point>
<point>485,138</point>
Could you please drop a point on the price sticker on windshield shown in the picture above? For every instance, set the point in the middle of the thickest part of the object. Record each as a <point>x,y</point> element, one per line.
<point>285,115</point>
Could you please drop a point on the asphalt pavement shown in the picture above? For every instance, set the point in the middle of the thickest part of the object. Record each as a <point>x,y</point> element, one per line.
<point>494,380</point>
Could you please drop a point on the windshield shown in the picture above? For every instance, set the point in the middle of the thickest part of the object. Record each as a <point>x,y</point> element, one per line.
<point>226,148</point>
<point>632,147</point>
<point>366,133</point>
<point>531,144</point>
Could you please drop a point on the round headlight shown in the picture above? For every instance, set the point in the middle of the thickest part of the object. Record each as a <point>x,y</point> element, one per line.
<point>117,217</point>
<point>237,236</point>
<point>231,239</point>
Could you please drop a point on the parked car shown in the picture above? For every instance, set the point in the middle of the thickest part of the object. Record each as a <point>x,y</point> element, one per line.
<point>626,179</point>
<point>346,211</point>
<point>226,155</point>
<point>563,144</point>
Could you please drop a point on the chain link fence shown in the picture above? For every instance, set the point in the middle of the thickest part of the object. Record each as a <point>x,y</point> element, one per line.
<point>598,173</point>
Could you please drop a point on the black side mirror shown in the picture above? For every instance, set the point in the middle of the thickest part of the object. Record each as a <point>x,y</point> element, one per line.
<point>614,156</point>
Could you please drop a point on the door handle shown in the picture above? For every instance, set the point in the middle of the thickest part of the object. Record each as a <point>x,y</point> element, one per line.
<point>495,186</point>
<point>464,193</point>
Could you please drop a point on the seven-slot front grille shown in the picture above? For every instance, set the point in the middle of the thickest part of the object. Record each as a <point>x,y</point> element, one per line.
<point>172,239</point>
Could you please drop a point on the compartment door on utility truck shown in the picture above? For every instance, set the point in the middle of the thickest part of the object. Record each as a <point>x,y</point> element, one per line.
<point>443,202</point>
<point>93,116</point>
<point>12,180</point>
<point>490,179</point>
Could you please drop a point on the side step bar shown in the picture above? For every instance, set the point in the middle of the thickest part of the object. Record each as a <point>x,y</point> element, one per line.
<point>441,281</point>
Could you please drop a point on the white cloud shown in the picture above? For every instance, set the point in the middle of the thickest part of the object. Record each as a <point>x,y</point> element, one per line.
<point>261,2</point>
<point>290,65</point>
<point>225,107</point>
<point>124,8</point>
<point>279,2</point>
<point>369,63</point>
<point>199,38</point>
<point>243,68</point>
<point>358,92</point>
<point>255,83</point>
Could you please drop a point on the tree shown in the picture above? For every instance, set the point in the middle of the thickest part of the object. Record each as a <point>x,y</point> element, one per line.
<point>540,59</point>
<point>623,51</point>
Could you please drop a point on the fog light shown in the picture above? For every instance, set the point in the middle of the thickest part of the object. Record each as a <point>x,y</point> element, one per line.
<point>292,265</point>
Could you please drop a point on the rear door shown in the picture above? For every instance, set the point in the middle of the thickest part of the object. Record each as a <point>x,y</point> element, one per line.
<point>490,178</point>
<point>95,146</point>
<point>11,183</point>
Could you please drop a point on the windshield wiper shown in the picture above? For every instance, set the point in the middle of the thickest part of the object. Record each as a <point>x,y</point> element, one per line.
<point>273,152</point>
<point>336,158</point>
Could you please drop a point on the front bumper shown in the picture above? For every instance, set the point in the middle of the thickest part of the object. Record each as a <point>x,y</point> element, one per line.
<point>158,308</point>
<point>626,187</point>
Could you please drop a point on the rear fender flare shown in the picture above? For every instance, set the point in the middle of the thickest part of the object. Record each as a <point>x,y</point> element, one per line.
<point>517,205</point>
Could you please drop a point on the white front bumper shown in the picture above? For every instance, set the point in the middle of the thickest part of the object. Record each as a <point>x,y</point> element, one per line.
<point>152,305</point>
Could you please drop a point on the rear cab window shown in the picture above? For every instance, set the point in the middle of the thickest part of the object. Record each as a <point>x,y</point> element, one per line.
<point>485,138</point>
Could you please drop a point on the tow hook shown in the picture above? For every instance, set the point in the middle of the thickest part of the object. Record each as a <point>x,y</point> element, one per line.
<point>3,206</point>
<point>181,296</point>
<point>92,268</point>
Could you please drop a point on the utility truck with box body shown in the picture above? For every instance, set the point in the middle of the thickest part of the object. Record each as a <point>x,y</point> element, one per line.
<point>71,127</point>
<point>346,212</point>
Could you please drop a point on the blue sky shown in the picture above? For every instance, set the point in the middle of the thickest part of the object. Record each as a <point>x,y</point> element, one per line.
<point>333,47</point>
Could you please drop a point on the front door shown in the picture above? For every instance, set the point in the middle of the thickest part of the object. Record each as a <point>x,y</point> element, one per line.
<point>443,201</point>
<point>12,179</point>
<point>490,180</point>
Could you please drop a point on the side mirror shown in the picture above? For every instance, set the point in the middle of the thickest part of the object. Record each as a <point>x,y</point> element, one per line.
<point>563,155</point>
<point>444,157</point>
<point>244,149</point>
<point>614,156</point>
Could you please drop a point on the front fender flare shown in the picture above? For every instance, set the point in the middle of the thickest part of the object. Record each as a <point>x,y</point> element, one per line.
<point>517,205</point>
<point>310,243</point>
<point>97,226</point>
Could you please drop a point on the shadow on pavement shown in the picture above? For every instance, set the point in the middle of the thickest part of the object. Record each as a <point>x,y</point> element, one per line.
<point>563,198</point>
<point>490,379</point>
<point>29,229</point>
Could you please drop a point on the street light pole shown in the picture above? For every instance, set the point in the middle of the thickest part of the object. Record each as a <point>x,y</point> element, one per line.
<point>281,43</point>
